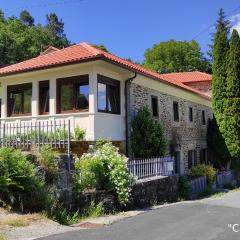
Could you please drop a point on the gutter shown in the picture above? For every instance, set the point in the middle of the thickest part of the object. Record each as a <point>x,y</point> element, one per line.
<point>127,84</point>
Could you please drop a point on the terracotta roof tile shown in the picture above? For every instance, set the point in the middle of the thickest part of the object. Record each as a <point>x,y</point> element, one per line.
<point>85,52</point>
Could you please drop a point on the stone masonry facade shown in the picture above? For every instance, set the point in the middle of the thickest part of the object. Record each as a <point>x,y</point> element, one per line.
<point>183,135</point>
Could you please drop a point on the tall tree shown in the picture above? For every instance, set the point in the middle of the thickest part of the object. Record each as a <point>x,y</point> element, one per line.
<point>222,25</point>
<point>26,18</point>
<point>230,126</point>
<point>2,19</point>
<point>219,68</point>
<point>55,25</point>
<point>19,41</point>
<point>175,56</point>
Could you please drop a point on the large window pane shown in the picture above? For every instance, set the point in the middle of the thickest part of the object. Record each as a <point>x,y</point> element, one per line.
<point>27,101</point>
<point>82,101</point>
<point>19,99</point>
<point>66,97</point>
<point>44,97</point>
<point>113,99</point>
<point>16,103</point>
<point>102,100</point>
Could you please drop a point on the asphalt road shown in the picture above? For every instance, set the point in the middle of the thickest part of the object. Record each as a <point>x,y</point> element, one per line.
<point>205,220</point>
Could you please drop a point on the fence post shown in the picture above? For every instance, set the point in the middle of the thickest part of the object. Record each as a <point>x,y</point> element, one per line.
<point>3,135</point>
<point>134,168</point>
<point>69,157</point>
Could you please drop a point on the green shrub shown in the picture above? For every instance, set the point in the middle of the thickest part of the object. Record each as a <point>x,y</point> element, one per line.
<point>147,137</point>
<point>183,187</point>
<point>202,170</point>
<point>94,210</point>
<point>46,157</point>
<point>104,168</point>
<point>79,133</point>
<point>55,211</point>
<point>18,180</point>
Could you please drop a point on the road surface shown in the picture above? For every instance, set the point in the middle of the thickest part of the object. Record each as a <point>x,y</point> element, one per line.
<point>209,219</point>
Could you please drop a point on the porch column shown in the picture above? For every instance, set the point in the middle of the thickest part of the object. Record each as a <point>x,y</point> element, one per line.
<point>92,104</point>
<point>4,102</point>
<point>35,98</point>
<point>52,96</point>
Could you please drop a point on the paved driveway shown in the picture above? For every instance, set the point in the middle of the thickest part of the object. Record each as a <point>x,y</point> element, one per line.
<point>208,219</point>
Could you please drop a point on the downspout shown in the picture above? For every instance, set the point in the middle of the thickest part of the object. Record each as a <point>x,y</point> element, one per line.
<point>127,82</point>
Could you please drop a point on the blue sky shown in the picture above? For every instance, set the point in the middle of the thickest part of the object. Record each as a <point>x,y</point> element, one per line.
<point>129,27</point>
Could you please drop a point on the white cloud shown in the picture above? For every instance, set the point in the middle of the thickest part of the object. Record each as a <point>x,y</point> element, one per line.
<point>235,21</point>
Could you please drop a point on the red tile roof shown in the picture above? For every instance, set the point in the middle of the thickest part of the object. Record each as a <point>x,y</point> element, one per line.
<point>188,77</point>
<point>86,52</point>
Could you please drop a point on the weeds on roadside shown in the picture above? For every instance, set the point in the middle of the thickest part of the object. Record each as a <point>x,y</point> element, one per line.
<point>2,237</point>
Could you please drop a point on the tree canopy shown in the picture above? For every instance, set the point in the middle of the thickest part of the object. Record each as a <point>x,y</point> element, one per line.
<point>26,18</point>
<point>20,39</point>
<point>230,126</point>
<point>176,56</point>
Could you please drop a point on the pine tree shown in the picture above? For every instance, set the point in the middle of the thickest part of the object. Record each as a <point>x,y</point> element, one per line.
<point>230,126</point>
<point>220,51</point>
<point>54,25</point>
<point>222,25</point>
<point>26,18</point>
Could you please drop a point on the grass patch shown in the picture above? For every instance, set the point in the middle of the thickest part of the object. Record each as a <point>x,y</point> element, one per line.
<point>21,221</point>
<point>93,211</point>
<point>218,194</point>
<point>2,237</point>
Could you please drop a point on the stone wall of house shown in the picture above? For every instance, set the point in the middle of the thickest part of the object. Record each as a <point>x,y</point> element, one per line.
<point>182,135</point>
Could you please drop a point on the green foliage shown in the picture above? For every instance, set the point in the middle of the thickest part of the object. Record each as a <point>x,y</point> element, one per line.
<point>203,170</point>
<point>183,187</point>
<point>104,168</point>
<point>26,18</point>
<point>46,157</point>
<point>18,181</point>
<point>176,56</point>
<point>100,46</point>
<point>20,39</point>
<point>57,212</point>
<point>147,137</point>
<point>79,133</point>
<point>93,210</point>
<point>229,126</point>
<point>216,144</point>
<point>220,52</point>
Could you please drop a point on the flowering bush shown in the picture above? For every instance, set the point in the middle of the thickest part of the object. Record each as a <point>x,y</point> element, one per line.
<point>104,168</point>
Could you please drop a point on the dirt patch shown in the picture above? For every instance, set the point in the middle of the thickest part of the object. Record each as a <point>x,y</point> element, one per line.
<point>14,226</point>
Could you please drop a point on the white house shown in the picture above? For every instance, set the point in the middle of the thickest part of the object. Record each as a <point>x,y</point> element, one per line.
<point>89,86</point>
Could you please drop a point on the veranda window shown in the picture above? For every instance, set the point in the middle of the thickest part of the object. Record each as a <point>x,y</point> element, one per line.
<point>44,97</point>
<point>20,100</point>
<point>108,95</point>
<point>73,94</point>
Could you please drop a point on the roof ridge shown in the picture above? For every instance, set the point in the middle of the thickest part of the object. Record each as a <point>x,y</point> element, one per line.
<point>90,48</point>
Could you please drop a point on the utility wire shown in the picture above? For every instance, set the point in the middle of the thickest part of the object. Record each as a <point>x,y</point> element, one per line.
<point>212,25</point>
<point>43,5</point>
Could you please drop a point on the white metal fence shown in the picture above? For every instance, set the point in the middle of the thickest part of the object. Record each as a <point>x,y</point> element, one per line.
<point>25,135</point>
<point>198,185</point>
<point>224,178</point>
<point>150,167</point>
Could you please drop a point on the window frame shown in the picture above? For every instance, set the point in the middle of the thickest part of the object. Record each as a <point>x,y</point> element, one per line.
<point>109,82</point>
<point>74,81</point>
<point>190,114</point>
<point>203,117</point>
<point>18,88</point>
<point>154,98</point>
<point>42,85</point>
<point>193,161</point>
<point>175,103</point>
